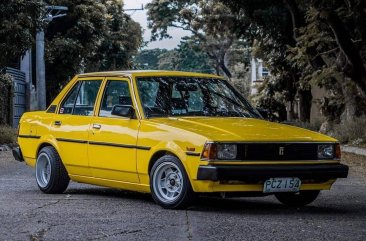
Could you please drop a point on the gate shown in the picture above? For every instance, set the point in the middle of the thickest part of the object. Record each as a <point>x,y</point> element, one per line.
<point>19,99</point>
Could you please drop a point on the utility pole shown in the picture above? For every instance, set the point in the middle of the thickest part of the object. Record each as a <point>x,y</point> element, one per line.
<point>52,12</point>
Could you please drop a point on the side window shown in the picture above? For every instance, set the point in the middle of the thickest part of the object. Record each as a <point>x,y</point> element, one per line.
<point>82,98</point>
<point>68,104</point>
<point>117,92</point>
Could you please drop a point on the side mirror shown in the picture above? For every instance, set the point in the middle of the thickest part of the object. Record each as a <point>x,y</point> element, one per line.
<point>124,110</point>
<point>264,113</point>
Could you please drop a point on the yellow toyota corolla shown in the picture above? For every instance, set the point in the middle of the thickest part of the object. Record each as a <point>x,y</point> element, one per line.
<point>176,135</point>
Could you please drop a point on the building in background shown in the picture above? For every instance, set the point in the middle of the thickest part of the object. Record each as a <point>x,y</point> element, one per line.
<point>258,73</point>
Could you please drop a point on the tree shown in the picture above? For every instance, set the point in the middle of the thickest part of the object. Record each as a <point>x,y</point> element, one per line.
<point>316,42</point>
<point>148,58</point>
<point>18,22</point>
<point>186,57</point>
<point>95,35</point>
<point>210,23</point>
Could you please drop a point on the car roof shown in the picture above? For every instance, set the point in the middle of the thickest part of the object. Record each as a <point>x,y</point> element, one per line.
<point>136,73</point>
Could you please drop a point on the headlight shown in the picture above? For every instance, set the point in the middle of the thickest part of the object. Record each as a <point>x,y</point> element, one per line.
<point>326,151</point>
<point>219,151</point>
<point>226,151</point>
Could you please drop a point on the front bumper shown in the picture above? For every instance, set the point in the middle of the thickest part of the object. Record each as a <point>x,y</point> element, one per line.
<point>17,154</point>
<point>256,173</point>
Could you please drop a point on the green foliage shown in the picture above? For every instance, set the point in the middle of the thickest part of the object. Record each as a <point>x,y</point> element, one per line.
<point>148,58</point>
<point>6,90</point>
<point>210,22</point>
<point>94,36</point>
<point>182,58</point>
<point>8,135</point>
<point>269,98</point>
<point>309,43</point>
<point>18,22</point>
<point>352,132</point>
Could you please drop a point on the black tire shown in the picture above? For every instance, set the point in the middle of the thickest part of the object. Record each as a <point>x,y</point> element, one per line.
<point>181,183</point>
<point>299,199</point>
<point>48,160</point>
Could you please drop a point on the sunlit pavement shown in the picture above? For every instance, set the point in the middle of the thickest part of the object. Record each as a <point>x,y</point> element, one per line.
<point>86,212</point>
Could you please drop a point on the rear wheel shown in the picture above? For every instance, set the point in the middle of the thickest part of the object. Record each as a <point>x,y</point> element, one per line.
<point>51,175</point>
<point>169,183</point>
<point>298,199</point>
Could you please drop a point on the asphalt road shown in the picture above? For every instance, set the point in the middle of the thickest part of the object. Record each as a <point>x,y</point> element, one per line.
<point>87,212</point>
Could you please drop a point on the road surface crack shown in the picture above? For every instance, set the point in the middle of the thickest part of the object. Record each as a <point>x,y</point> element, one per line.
<point>189,228</point>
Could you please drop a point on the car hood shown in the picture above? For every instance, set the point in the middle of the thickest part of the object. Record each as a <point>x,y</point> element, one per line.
<point>242,129</point>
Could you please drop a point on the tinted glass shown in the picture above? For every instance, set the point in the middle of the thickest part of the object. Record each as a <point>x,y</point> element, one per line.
<point>116,93</point>
<point>68,104</point>
<point>190,96</point>
<point>82,98</point>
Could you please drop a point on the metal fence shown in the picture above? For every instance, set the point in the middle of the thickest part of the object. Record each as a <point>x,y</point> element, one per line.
<point>18,103</point>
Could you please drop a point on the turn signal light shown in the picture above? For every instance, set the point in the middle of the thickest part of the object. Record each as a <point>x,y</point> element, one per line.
<point>337,151</point>
<point>209,151</point>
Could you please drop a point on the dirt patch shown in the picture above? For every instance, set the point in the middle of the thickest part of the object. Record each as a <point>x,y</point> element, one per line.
<point>356,163</point>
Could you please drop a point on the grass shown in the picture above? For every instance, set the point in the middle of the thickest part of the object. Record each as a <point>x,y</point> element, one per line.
<point>8,135</point>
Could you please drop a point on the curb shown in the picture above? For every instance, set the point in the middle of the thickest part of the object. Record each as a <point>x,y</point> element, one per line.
<point>354,150</point>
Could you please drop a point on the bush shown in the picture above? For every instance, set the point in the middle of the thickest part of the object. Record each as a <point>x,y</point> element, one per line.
<point>8,135</point>
<point>352,132</point>
<point>5,98</point>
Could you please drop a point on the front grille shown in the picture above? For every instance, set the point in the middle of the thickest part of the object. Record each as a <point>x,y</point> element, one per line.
<point>277,151</point>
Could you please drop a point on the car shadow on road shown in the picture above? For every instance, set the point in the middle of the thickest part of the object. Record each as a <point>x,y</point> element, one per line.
<point>260,205</point>
<point>109,193</point>
<point>267,205</point>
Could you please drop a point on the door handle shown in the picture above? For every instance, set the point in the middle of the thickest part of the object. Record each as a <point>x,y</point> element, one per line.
<point>57,123</point>
<point>97,126</point>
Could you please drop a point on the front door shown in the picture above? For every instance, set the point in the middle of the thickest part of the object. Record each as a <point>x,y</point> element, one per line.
<point>71,125</point>
<point>112,139</point>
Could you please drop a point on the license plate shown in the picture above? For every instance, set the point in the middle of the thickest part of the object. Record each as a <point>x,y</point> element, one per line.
<point>284,184</point>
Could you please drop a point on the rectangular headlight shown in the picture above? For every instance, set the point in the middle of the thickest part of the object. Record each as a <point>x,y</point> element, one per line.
<point>227,151</point>
<point>326,151</point>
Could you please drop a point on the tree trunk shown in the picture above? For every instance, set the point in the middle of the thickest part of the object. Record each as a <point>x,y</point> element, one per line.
<point>225,69</point>
<point>296,17</point>
<point>305,105</point>
<point>350,102</point>
<point>358,72</point>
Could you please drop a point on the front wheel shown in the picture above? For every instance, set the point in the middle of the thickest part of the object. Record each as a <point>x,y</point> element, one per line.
<point>298,199</point>
<point>51,175</point>
<point>169,183</point>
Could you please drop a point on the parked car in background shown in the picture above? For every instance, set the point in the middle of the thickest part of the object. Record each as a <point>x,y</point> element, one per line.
<point>174,135</point>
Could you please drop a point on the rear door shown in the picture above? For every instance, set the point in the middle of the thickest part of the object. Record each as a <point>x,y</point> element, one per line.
<point>112,140</point>
<point>71,124</point>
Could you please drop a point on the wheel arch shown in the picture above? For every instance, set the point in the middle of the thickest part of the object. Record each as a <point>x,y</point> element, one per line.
<point>158,154</point>
<point>46,142</point>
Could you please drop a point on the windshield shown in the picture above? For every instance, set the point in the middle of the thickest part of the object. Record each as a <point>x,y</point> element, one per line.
<point>191,96</point>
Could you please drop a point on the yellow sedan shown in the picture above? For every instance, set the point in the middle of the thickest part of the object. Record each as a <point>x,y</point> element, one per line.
<point>176,135</point>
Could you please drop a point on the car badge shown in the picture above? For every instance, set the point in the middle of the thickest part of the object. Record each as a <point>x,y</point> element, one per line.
<point>281,151</point>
